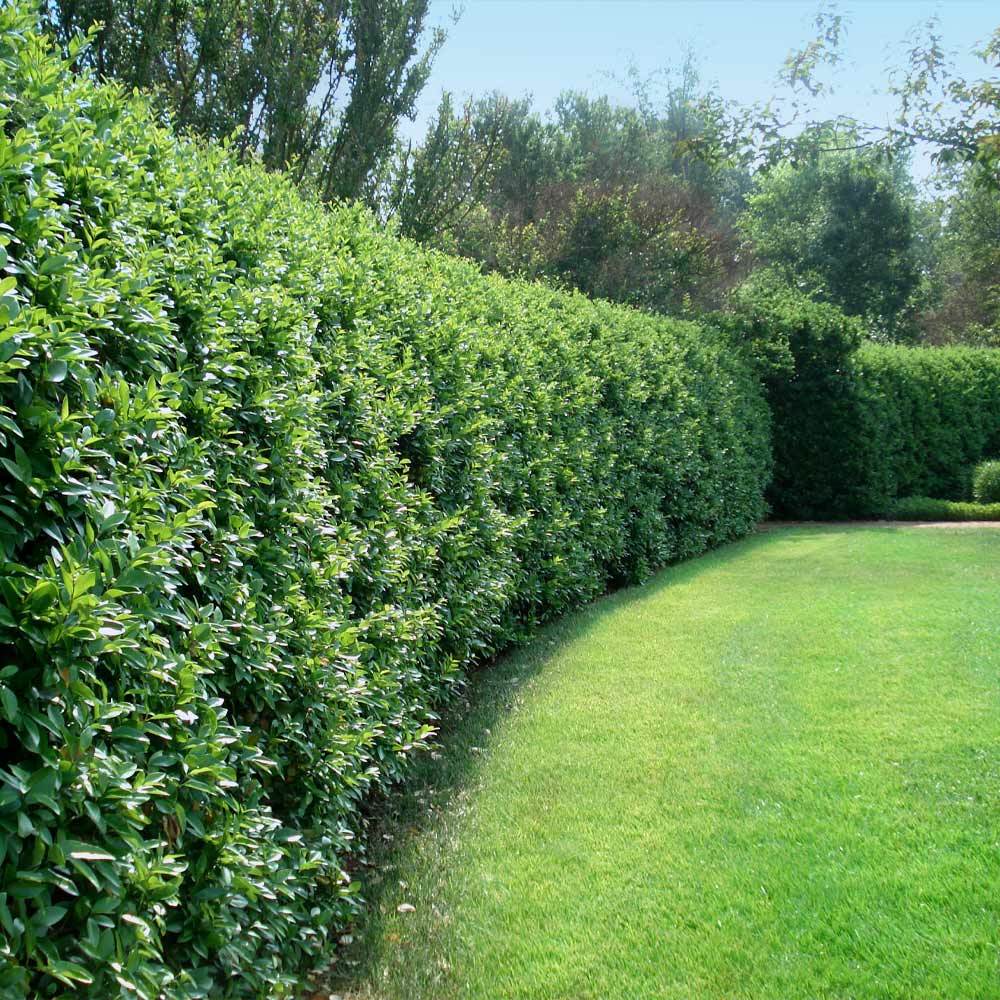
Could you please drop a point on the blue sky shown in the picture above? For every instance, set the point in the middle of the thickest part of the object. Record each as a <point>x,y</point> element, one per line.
<point>542,47</point>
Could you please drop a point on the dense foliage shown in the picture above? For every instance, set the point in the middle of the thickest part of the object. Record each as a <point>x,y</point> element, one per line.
<point>804,351</point>
<point>271,481</point>
<point>856,424</point>
<point>841,227</point>
<point>931,415</point>
<point>942,107</point>
<point>628,204</point>
<point>986,482</point>
<point>317,86</point>
<point>641,199</point>
<point>966,265</point>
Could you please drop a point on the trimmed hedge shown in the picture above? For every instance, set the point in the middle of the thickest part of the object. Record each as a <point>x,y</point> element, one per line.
<point>804,352</point>
<point>934,413</point>
<point>272,481</point>
<point>898,421</point>
<point>855,428</point>
<point>927,509</point>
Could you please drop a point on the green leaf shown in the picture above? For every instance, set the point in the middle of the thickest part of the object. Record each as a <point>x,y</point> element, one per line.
<point>68,972</point>
<point>9,309</point>
<point>9,425</point>
<point>84,852</point>
<point>53,264</point>
<point>42,596</point>
<point>8,700</point>
<point>16,471</point>
<point>49,916</point>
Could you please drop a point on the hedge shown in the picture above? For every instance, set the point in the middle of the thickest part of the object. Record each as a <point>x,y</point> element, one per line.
<point>936,413</point>
<point>928,509</point>
<point>856,427</point>
<point>804,353</point>
<point>273,481</point>
<point>894,422</point>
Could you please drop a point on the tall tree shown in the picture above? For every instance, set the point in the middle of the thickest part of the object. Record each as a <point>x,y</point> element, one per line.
<point>968,265</point>
<point>431,187</point>
<point>315,85</point>
<point>840,227</point>
<point>620,202</point>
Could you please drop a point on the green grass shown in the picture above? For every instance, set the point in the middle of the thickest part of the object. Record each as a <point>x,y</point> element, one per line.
<point>773,772</point>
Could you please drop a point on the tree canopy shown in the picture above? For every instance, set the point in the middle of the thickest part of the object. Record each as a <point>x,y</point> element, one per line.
<point>667,199</point>
<point>315,86</point>
<point>841,228</point>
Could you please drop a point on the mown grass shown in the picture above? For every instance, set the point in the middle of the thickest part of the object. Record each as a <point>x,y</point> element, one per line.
<point>773,772</point>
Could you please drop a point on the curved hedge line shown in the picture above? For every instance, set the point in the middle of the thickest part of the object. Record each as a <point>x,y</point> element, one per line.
<point>272,480</point>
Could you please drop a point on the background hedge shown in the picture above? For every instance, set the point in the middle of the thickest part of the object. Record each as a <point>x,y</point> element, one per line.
<point>272,481</point>
<point>929,509</point>
<point>937,413</point>
<point>858,425</point>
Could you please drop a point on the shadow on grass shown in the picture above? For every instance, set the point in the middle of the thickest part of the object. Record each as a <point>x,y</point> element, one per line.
<point>442,777</point>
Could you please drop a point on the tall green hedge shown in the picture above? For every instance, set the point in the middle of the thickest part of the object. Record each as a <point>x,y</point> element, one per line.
<point>804,353</point>
<point>936,413</point>
<point>272,480</point>
<point>892,422</point>
<point>856,427</point>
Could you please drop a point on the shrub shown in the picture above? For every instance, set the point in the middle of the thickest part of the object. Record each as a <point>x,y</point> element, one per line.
<point>273,480</point>
<point>804,352</point>
<point>986,482</point>
<point>926,509</point>
<point>856,427</point>
<point>936,412</point>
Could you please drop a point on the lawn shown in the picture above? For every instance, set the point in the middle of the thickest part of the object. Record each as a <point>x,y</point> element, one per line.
<point>772,772</point>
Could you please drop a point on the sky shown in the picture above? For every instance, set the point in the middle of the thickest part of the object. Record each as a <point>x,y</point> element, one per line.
<point>541,47</point>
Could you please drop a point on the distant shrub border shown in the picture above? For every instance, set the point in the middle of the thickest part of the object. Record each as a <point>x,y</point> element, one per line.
<point>856,427</point>
<point>273,480</point>
<point>934,413</point>
<point>926,509</point>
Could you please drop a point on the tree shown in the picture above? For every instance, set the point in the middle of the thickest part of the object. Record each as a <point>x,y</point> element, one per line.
<point>959,118</point>
<point>431,187</point>
<point>318,86</point>
<point>655,245</point>
<point>840,227</point>
<point>620,202</point>
<point>967,268</point>
<point>937,107</point>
